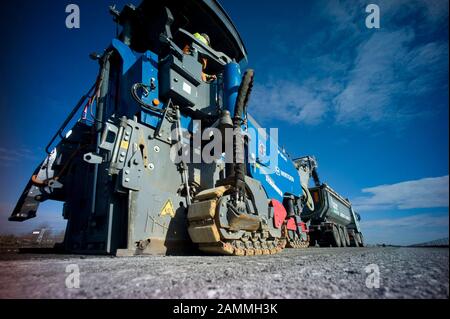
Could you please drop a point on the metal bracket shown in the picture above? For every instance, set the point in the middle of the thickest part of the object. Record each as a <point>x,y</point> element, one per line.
<point>109,137</point>
<point>92,158</point>
<point>54,184</point>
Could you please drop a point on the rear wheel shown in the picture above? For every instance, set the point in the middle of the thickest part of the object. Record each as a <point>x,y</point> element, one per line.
<point>342,237</point>
<point>361,240</point>
<point>356,240</point>
<point>346,237</point>
<point>352,238</point>
<point>335,237</point>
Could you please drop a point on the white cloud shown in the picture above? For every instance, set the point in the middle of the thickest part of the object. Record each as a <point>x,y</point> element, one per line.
<point>8,156</point>
<point>386,73</point>
<point>422,193</point>
<point>346,14</point>
<point>415,221</point>
<point>391,65</point>
<point>346,74</point>
<point>373,79</point>
<point>288,101</point>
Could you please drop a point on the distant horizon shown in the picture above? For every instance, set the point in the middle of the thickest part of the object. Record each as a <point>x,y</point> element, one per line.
<point>56,231</point>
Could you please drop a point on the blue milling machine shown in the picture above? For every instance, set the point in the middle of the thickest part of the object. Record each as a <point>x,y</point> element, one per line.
<point>122,172</point>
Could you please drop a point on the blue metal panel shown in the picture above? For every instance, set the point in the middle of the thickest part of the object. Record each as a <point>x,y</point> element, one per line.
<point>137,68</point>
<point>128,57</point>
<point>149,73</point>
<point>187,123</point>
<point>277,175</point>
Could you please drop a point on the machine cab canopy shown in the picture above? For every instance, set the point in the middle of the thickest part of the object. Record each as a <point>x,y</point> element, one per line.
<point>143,26</point>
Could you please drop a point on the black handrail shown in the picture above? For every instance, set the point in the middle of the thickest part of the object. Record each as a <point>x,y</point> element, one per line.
<point>69,118</point>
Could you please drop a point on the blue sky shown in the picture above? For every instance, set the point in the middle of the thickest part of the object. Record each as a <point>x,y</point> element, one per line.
<point>370,104</point>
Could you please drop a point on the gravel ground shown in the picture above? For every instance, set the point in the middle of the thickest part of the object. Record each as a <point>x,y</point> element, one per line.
<point>298,274</point>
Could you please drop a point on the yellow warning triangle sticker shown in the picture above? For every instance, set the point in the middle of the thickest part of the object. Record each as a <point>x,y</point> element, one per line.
<point>168,209</point>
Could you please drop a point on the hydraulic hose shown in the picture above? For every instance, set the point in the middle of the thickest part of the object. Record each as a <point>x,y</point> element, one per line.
<point>242,100</point>
<point>100,113</point>
<point>315,176</point>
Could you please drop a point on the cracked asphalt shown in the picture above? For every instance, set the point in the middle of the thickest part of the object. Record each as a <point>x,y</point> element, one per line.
<point>330,273</point>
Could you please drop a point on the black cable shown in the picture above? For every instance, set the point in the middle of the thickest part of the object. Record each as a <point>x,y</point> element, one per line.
<point>144,105</point>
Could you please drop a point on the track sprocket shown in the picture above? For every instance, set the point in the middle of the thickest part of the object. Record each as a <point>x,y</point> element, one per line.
<point>204,230</point>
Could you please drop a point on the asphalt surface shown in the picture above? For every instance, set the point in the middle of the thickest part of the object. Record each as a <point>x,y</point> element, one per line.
<point>298,274</point>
